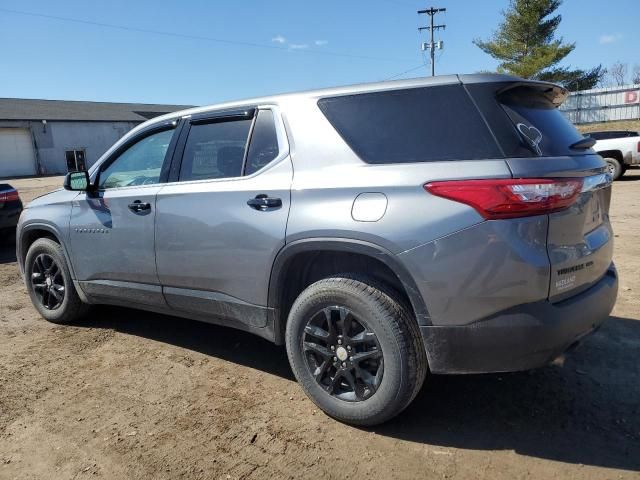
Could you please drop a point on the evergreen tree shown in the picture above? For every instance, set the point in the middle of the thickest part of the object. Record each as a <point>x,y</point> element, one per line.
<point>525,44</point>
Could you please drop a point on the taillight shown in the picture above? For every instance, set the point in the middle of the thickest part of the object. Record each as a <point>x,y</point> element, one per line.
<point>9,196</point>
<point>638,147</point>
<point>510,198</point>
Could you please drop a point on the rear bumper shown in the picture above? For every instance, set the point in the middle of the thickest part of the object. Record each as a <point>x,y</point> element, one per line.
<point>523,337</point>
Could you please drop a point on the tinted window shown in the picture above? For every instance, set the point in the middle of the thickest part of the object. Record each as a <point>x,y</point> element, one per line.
<point>539,123</point>
<point>531,106</point>
<point>140,164</point>
<point>598,135</point>
<point>215,150</point>
<point>611,134</point>
<point>264,142</point>
<point>414,125</point>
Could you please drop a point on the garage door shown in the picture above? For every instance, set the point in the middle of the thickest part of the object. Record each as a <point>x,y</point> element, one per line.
<point>17,156</point>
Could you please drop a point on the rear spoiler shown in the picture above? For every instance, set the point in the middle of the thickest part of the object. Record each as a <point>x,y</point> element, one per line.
<point>554,93</point>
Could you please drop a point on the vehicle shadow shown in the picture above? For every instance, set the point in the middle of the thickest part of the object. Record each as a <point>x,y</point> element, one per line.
<point>226,343</point>
<point>586,411</point>
<point>631,175</point>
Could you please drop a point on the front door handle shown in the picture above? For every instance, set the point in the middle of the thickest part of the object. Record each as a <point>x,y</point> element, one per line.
<point>139,206</point>
<point>263,202</point>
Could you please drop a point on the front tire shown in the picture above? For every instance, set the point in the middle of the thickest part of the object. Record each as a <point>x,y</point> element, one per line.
<point>49,283</point>
<point>355,349</point>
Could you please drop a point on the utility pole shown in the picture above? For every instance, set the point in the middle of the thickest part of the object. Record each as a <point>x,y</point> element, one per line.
<point>431,46</point>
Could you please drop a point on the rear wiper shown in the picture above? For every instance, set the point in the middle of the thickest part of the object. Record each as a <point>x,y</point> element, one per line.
<point>583,144</point>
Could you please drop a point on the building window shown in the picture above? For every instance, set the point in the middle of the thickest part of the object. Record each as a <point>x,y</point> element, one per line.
<point>75,160</point>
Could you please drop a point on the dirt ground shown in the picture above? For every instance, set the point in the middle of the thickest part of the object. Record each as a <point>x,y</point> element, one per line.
<point>617,125</point>
<point>130,395</point>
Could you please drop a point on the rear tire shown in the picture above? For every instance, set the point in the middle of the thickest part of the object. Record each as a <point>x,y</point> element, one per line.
<point>372,381</point>
<point>49,283</point>
<point>614,167</point>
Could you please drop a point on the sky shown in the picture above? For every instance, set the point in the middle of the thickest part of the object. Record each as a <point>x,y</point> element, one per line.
<point>198,52</point>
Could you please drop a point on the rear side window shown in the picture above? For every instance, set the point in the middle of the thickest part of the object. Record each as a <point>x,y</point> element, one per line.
<point>414,125</point>
<point>215,150</point>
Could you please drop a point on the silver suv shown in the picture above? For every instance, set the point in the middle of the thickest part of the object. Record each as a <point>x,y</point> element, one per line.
<point>449,225</point>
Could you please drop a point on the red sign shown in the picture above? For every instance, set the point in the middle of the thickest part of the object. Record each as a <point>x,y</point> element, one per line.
<point>631,96</point>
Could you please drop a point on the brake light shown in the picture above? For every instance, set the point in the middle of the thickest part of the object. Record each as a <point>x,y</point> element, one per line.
<point>510,198</point>
<point>638,147</point>
<point>9,196</point>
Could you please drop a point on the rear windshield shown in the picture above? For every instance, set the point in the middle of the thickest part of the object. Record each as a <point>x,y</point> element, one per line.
<point>541,126</point>
<point>413,125</point>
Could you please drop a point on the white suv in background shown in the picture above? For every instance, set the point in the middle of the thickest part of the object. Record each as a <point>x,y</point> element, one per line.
<point>620,149</point>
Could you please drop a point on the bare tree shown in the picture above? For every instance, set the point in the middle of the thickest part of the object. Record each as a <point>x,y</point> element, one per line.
<point>635,75</point>
<point>604,79</point>
<point>617,73</point>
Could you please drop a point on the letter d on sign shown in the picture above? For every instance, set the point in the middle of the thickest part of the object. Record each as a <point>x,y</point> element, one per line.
<point>631,97</point>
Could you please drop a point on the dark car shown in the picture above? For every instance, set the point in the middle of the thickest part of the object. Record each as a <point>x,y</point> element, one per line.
<point>10,209</point>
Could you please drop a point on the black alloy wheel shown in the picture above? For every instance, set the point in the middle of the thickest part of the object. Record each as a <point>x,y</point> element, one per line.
<point>47,281</point>
<point>343,354</point>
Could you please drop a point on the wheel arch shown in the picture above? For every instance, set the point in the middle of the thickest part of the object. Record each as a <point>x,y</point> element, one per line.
<point>617,154</point>
<point>34,231</point>
<point>293,256</point>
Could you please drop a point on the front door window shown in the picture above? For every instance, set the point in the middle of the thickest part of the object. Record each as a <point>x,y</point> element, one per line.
<point>140,164</point>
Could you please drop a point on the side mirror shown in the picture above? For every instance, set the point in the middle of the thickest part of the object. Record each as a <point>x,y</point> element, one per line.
<point>77,181</point>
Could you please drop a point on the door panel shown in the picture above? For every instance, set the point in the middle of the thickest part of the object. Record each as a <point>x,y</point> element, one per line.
<point>112,229</point>
<point>208,239</point>
<point>110,241</point>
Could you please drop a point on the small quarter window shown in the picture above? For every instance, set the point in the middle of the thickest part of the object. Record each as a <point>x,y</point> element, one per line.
<point>264,142</point>
<point>215,150</point>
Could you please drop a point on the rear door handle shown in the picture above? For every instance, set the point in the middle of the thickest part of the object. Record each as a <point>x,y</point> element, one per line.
<point>263,202</point>
<point>139,206</point>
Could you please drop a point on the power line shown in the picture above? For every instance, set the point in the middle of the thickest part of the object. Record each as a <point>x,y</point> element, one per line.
<point>431,46</point>
<point>395,2</point>
<point>403,73</point>
<point>193,37</point>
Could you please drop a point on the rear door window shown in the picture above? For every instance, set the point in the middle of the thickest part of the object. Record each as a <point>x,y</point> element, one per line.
<point>215,150</point>
<point>412,125</point>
